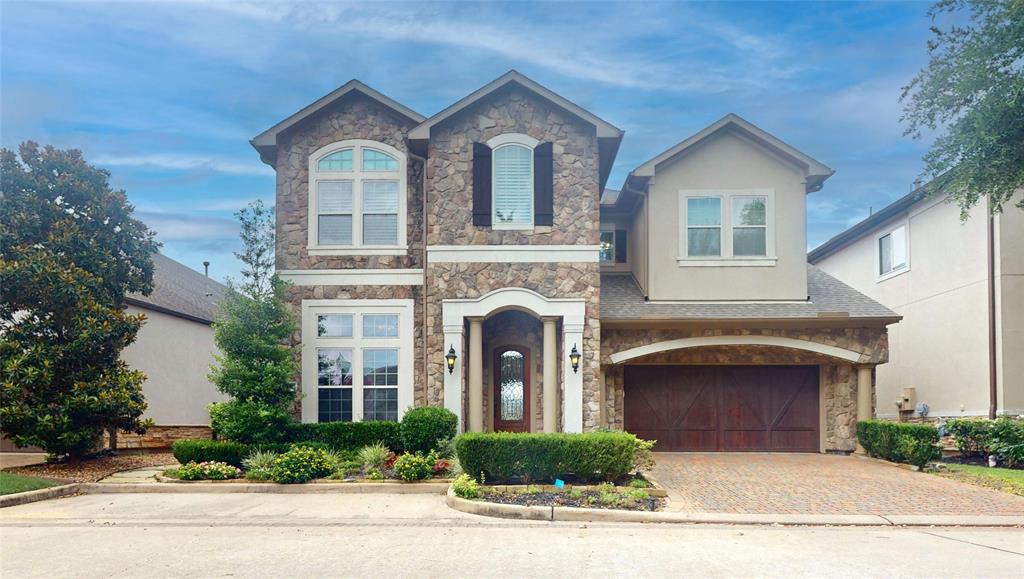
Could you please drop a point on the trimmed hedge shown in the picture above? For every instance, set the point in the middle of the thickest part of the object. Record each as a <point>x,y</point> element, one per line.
<point>970,435</point>
<point>424,428</point>
<point>915,444</point>
<point>186,451</point>
<point>590,456</point>
<point>350,435</point>
<point>1002,438</point>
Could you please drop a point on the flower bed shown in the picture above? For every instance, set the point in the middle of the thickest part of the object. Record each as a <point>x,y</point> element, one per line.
<point>604,496</point>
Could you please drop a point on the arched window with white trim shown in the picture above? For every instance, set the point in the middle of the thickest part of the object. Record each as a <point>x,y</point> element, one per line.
<point>357,200</point>
<point>512,181</point>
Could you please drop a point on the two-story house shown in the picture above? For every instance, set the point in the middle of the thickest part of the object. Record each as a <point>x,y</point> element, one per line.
<point>476,260</point>
<point>959,286</point>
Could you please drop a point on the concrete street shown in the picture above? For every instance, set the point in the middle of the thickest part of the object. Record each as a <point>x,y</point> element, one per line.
<point>268,535</point>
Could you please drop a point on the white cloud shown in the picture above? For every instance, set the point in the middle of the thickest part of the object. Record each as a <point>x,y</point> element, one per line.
<point>182,227</point>
<point>184,162</point>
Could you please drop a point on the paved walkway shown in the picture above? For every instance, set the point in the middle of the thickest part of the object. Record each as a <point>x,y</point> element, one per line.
<point>16,459</point>
<point>139,475</point>
<point>817,484</point>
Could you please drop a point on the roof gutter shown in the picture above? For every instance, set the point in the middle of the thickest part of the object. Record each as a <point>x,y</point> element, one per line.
<point>993,390</point>
<point>163,310</point>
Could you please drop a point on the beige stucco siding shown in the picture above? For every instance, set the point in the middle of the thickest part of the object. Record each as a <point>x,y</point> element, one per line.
<point>1009,231</point>
<point>176,355</point>
<point>728,161</point>
<point>638,246</point>
<point>941,345</point>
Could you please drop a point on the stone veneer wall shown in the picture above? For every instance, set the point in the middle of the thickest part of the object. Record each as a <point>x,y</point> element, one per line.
<point>838,378</point>
<point>158,437</point>
<point>353,117</point>
<point>449,190</point>
<point>514,329</point>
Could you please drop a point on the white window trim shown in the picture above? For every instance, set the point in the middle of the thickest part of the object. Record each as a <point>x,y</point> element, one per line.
<point>880,277</point>
<point>357,176</point>
<point>727,259</point>
<point>310,343</point>
<point>496,143</point>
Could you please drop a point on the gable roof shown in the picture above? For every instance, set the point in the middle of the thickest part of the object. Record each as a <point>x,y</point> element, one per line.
<point>180,291</point>
<point>817,171</point>
<point>266,142</point>
<point>609,137</point>
<point>828,300</point>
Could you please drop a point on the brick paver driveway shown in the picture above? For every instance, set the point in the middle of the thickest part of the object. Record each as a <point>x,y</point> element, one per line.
<point>817,484</point>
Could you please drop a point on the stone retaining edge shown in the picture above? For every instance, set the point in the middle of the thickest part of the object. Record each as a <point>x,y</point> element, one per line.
<point>574,514</point>
<point>212,487</point>
<point>39,495</point>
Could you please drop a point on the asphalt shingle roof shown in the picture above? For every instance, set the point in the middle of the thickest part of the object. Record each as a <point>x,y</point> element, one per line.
<point>181,290</point>
<point>621,299</point>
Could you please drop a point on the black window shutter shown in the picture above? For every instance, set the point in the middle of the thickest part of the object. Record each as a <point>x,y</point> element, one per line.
<point>481,184</point>
<point>620,246</point>
<point>543,185</point>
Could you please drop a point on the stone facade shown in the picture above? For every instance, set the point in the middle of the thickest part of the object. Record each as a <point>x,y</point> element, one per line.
<point>158,437</point>
<point>353,117</point>
<point>449,186</point>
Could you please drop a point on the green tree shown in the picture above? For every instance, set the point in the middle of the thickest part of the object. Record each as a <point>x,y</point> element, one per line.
<point>972,92</point>
<point>70,249</point>
<point>256,368</point>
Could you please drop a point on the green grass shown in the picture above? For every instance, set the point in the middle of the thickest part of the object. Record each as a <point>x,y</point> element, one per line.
<point>15,483</point>
<point>1004,479</point>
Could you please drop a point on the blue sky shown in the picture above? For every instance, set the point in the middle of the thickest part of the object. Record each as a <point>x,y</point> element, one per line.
<point>167,95</point>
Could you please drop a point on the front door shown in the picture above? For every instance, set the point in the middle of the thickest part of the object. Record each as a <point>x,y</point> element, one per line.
<point>511,389</point>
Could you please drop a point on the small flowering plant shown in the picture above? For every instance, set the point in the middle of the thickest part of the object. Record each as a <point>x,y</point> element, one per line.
<point>441,466</point>
<point>210,470</point>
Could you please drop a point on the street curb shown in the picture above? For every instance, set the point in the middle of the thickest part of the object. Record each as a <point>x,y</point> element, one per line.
<point>537,513</point>
<point>39,495</point>
<point>273,488</point>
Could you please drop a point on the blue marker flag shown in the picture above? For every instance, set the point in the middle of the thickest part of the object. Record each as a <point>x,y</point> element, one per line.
<point>559,483</point>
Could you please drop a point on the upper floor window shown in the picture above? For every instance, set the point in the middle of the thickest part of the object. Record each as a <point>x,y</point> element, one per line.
<point>893,255</point>
<point>731,227</point>
<point>512,178</point>
<point>356,199</point>
<point>613,245</point>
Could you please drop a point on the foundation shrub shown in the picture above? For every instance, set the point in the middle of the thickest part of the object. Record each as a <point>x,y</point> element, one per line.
<point>915,444</point>
<point>349,436</point>
<point>970,435</point>
<point>198,451</point>
<point>427,428</point>
<point>1006,441</point>
<point>589,457</point>
<point>301,464</point>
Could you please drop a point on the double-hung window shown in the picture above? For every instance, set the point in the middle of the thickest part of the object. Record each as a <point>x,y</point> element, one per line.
<point>726,228</point>
<point>893,254</point>
<point>357,202</point>
<point>357,360</point>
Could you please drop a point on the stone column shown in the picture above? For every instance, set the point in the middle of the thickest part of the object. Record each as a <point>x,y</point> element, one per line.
<point>550,375</point>
<point>476,375</point>
<point>864,396</point>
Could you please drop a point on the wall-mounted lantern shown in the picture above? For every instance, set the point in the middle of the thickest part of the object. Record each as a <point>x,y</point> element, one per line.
<point>450,358</point>
<point>574,358</point>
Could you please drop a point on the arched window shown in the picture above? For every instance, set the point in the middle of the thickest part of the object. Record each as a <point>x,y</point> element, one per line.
<point>512,178</point>
<point>357,199</point>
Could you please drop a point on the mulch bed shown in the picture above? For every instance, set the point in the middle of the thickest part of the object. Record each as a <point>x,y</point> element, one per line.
<point>587,500</point>
<point>92,470</point>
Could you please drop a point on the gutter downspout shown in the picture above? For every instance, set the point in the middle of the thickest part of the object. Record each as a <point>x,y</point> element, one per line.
<point>992,378</point>
<point>426,286</point>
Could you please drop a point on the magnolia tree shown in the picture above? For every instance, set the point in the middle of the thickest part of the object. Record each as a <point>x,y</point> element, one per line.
<point>255,368</point>
<point>70,249</point>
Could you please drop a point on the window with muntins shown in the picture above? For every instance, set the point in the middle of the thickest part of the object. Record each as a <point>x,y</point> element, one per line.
<point>726,227</point>
<point>357,197</point>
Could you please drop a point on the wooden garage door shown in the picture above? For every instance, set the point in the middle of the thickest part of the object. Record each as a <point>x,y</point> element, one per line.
<point>724,408</point>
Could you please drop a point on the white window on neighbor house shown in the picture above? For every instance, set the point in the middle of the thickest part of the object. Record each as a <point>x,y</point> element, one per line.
<point>357,359</point>
<point>726,228</point>
<point>512,181</point>
<point>893,252</point>
<point>356,199</point>
<point>607,253</point>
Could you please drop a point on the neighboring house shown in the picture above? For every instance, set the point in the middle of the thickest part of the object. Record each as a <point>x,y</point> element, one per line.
<point>467,260</point>
<point>960,289</point>
<point>175,349</point>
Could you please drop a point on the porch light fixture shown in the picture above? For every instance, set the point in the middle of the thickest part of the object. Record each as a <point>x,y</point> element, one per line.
<point>574,357</point>
<point>450,358</point>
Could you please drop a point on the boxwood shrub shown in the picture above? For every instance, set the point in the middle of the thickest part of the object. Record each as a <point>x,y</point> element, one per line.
<point>345,436</point>
<point>586,457</point>
<point>425,428</point>
<point>186,451</point>
<point>915,444</point>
